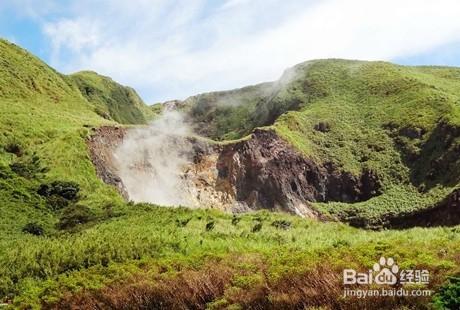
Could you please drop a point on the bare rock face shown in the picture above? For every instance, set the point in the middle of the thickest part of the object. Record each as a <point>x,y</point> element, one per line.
<point>101,146</point>
<point>262,172</point>
<point>265,172</point>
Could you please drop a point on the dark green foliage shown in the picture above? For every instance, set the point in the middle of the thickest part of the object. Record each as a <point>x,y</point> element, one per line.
<point>34,229</point>
<point>227,114</point>
<point>59,194</point>
<point>28,167</point>
<point>210,225</point>
<point>235,220</point>
<point>65,189</point>
<point>14,148</point>
<point>281,224</point>
<point>257,227</point>
<point>448,296</point>
<point>112,210</point>
<point>322,127</point>
<point>55,202</point>
<point>75,215</point>
<point>340,243</point>
<point>182,222</point>
<point>112,100</point>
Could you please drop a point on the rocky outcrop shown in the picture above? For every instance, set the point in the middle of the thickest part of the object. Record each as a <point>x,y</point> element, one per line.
<point>262,172</point>
<point>265,172</point>
<point>102,144</point>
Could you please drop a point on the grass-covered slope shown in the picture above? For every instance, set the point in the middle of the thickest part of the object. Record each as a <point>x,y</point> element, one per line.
<point>44,121</point>
<point>68,240</point>
<point>228,114</point>
<point>111,100</point>
<point>401,122</point>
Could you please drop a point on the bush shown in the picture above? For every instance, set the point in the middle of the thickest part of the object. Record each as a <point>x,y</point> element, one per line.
<point>257,227</point>
<point>448,296</point>
<point>75,215</point>
<point>56,203</point>
<point>64,189</point>
<point>59,194</point>
<point>182,223</point>
<point>34,229</point>
<point>111,210</point>
<point>14,148</point>
<point>28,168</point>
<point>210,225</point>
<point>322,127</point>
<point>281,224</point>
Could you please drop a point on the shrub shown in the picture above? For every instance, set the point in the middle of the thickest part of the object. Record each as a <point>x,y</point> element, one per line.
<point>56,203</point>
<point>257,227</point>
<point>75,215</point>
<point>281,224</point>
<point>111,210</point>
<point>28,168</point>
<point>340,243</point>
<point>59,194</point>
<point>322,127</point>
<point>182,223</point>
<point>14,148</point>
<point>210,225</point>
<point>34,229</point>
<point>448,296</point>
<point>64,189</point>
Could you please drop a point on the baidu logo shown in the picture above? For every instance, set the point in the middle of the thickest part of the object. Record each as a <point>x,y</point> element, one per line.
<point>385,272</point>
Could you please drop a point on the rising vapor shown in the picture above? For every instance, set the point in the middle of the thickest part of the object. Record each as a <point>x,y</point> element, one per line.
<point>151,160</point>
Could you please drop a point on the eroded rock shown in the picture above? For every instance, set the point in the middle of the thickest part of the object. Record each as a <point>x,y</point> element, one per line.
<point>262,172</point>
<point>265,172</point>
<point>102,144</point>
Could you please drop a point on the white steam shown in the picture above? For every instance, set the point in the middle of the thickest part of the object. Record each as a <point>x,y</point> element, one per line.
<point>151,160</point>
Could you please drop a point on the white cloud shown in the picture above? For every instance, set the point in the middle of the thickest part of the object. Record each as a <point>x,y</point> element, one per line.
<point>74,34</point>
<point>172,49</point>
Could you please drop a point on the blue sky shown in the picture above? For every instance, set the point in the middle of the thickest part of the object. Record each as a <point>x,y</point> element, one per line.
<point>171,49</point>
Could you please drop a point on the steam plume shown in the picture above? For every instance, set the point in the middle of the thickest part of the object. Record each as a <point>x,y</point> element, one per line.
<point>150,161</point>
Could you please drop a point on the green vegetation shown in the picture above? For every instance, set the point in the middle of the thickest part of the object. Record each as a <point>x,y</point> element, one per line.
<point>226,115</point>
<point>148,238</point>
<point>64,233</point>
<point>449,295</point>
<point>111,100</point>
<point>403,123</point>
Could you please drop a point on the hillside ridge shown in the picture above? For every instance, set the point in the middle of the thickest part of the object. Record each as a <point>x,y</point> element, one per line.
<point>368,143</point>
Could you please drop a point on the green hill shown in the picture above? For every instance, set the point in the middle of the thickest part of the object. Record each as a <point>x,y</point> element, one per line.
<point>402,123</point>
<point>44,120</point>
<point>111,100</point>
<point>67,240</point>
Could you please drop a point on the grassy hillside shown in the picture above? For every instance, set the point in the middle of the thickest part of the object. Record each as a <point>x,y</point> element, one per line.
<point>226,115</point>
<point>44,121</point>
<point>67,239</point>
<point>403,123</point>
<point>111,100</point>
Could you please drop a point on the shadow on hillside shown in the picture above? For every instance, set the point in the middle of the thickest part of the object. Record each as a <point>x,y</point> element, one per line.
<point>433,162</point>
